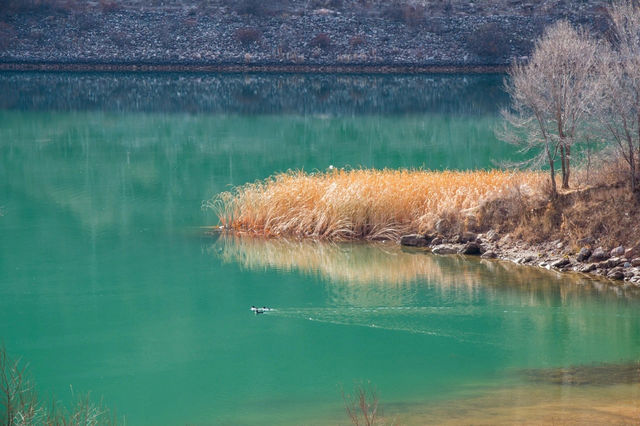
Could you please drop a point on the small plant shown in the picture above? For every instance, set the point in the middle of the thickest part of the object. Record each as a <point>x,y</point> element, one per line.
<point>363,406</point>
<point>321,40</point>
<point>357,41</point>
<point>248,36</point>
<point>19,404</point>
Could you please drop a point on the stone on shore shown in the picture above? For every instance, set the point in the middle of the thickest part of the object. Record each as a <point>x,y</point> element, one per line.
<point>587,268</point>
<point>598,255</point>
<point>613,262</point>
<point>444,249</point>
<point>471,248</point>
<point>617,252</point>
<point>616,273</point>
<point>584,254</point>
<point>414,240</point>
<point>635,262</point>
<point>561,263</point>
<point>489,255</point>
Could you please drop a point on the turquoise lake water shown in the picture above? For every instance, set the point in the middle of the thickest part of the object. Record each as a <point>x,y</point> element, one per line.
<point>109,284</point>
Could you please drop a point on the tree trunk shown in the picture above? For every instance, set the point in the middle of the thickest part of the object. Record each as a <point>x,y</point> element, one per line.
<point>632,167</point>
<point>567,168</point>
<point>552,172</point>
<point>562,164</point>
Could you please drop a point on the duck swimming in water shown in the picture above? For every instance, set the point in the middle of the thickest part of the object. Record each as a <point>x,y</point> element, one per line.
<point>260,310</point>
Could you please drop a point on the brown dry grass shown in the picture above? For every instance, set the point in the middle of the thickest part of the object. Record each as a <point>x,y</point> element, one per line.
<point>366,204</point>
<point>599,207</point>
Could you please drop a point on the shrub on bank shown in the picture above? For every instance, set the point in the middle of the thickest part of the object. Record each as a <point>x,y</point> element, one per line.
<point>248,36</point>
<point>321,40</point>
<point>489,41</point>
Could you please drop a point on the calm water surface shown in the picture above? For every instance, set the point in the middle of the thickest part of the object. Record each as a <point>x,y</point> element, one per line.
<point>108,284</point>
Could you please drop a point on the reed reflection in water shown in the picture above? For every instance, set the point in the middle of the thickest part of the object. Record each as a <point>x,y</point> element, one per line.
<point>390,265</point>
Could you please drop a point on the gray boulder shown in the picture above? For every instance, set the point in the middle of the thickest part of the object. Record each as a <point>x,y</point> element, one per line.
<point>616,274</point>
<point>561,263</point>
<point>414,240</point>
<point>598,255</point>
<point>635,262</point>
<point>489,255</point>
<point>584,254</point>
<point>444,249</point>
<point>588,268</point>
<point>471,248</point>
<point>613,262</point>
<point>617,252</point>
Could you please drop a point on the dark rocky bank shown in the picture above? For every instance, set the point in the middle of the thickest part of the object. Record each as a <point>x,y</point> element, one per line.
<point>283,35</point>
<point>619,264</point>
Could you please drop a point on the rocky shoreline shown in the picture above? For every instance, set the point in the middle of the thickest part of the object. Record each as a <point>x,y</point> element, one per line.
<point>619,264</point>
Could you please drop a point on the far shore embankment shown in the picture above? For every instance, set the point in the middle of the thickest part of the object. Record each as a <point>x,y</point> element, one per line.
<point>347,36</point>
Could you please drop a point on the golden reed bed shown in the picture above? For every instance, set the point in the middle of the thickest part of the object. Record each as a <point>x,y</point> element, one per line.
<point>363,203</point>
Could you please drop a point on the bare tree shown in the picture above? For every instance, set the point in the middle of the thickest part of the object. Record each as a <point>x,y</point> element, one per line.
<point>551,96</point>
<point>18,397</point>
<point>617,104</point>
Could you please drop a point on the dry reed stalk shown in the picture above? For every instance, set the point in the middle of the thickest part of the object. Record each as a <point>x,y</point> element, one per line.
<point>362,204</point>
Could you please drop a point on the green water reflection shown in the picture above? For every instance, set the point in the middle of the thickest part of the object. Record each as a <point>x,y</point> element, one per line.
<point>108,284</point>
